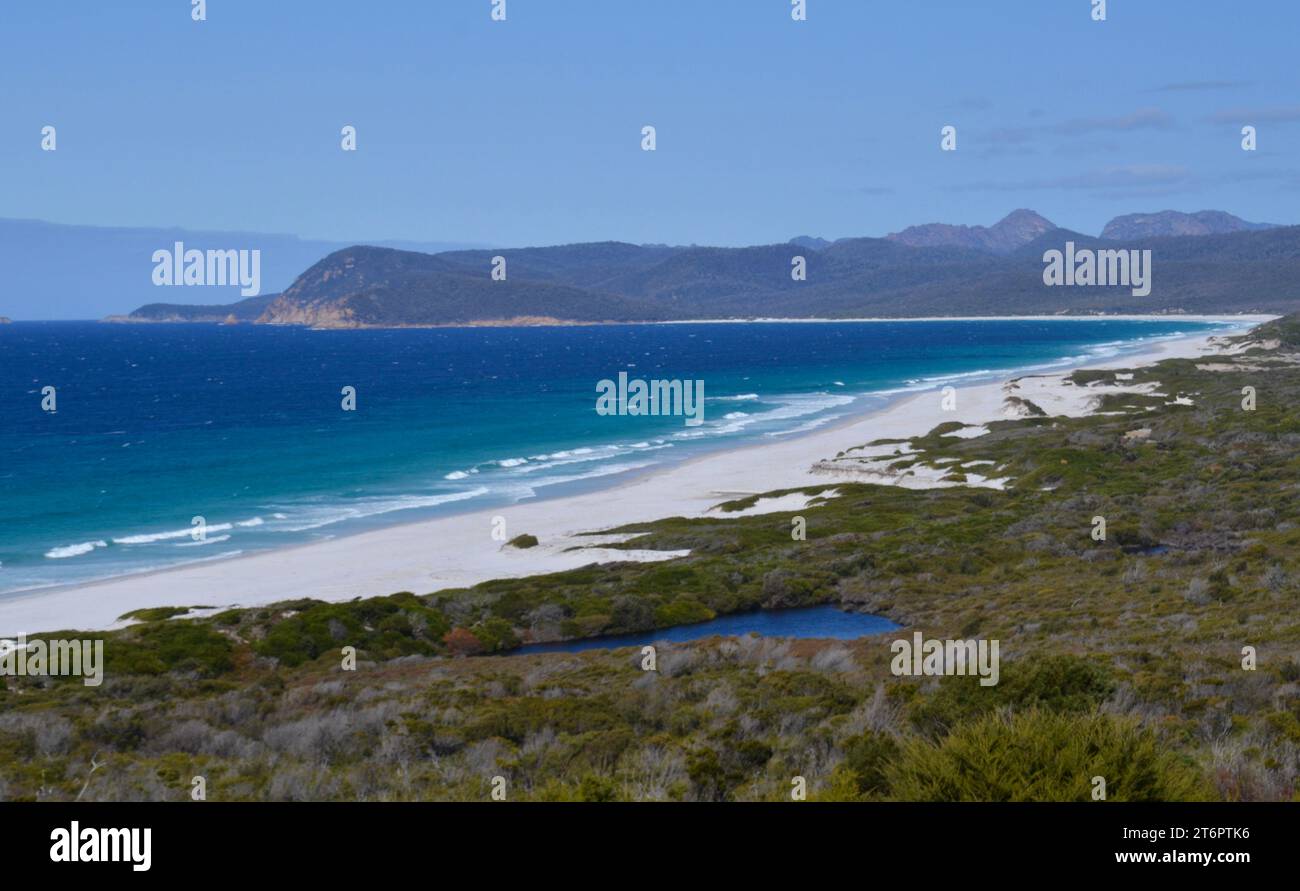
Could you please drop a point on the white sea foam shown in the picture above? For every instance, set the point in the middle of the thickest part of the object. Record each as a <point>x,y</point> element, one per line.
<point>75,550</point>
<point>576,456</point>
<point>566,453</point>
<point>216,539</point>
<point>150,538</point>
<point>806,426</point>
<point>601,454</point>
<point>328,515</point>
<point>957,376</point>
<point>790,407</point>
<point>173,565</point>
<point>562,458</point>
<point>607,470</point>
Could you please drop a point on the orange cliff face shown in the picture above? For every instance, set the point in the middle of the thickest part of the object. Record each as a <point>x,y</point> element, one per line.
<point>284,310</point>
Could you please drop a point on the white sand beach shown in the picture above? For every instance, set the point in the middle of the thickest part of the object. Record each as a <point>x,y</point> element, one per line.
<point>460,550</point>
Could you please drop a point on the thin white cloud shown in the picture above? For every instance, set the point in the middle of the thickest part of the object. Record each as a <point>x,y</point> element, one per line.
<point>1130,176</point>
<point>1277,115</point>
<point>1200,86</point>
<point>1142,119</point>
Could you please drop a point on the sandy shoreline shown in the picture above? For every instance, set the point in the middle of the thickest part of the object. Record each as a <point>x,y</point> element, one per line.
<point>552,322</point>
<point>460,550</point>
<point>1243,318</point>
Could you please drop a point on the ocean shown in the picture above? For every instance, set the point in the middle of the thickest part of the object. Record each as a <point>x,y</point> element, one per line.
<point>243,426</point>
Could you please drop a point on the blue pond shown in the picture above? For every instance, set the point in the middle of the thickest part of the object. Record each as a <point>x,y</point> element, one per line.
<point>813,621</point>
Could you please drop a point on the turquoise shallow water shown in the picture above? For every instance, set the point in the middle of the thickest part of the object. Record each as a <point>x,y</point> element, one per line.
<point>243,425</point>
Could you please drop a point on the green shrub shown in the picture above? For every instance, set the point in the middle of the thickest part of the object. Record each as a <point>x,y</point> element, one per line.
<point>384,627</point>
<point>190,646</point>
<point>866,757</point>
<point>495,635</point>
<point>684,610</point>
<point>1043,756</point>
<point>1062,683</point>
<point>186,646</point>
<point>631,613</point>
<point>595,787</point>
<point>154,614</point>
<point>304,637</point>
<point>707,776</point>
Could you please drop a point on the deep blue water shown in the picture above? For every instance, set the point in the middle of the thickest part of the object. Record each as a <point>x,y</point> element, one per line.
<point>812,621</point>
<point>157,424</point>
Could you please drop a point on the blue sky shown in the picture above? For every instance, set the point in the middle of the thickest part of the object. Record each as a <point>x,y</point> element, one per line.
<point>528,131</point>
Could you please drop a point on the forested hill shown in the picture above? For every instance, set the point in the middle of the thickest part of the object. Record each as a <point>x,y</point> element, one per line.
<point>1249,270</point>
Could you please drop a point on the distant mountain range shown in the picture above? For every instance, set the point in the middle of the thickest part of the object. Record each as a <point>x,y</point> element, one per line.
<point>57,271</point>
<point>1171,223</point>
<point>926,270</point>
<point>1203,262</point>
<point>1020,227</point>
<point>808,241</point>
<point>1013,231</point>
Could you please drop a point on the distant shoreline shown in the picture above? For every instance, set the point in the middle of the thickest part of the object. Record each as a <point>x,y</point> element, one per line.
<point>548,322</point>
<point>1254,318</point>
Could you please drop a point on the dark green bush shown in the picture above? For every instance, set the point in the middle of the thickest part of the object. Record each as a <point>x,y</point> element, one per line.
<point>1062,683</point>
<point>683,611</point>
<point>185,646</point>
<point>1043,756</point>
<point>866,756</point>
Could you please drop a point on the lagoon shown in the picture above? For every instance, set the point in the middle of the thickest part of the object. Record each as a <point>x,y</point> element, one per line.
<point>824,622</point>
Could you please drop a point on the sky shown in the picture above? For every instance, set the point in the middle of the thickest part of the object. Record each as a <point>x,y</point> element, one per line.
<point>529,131</point>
